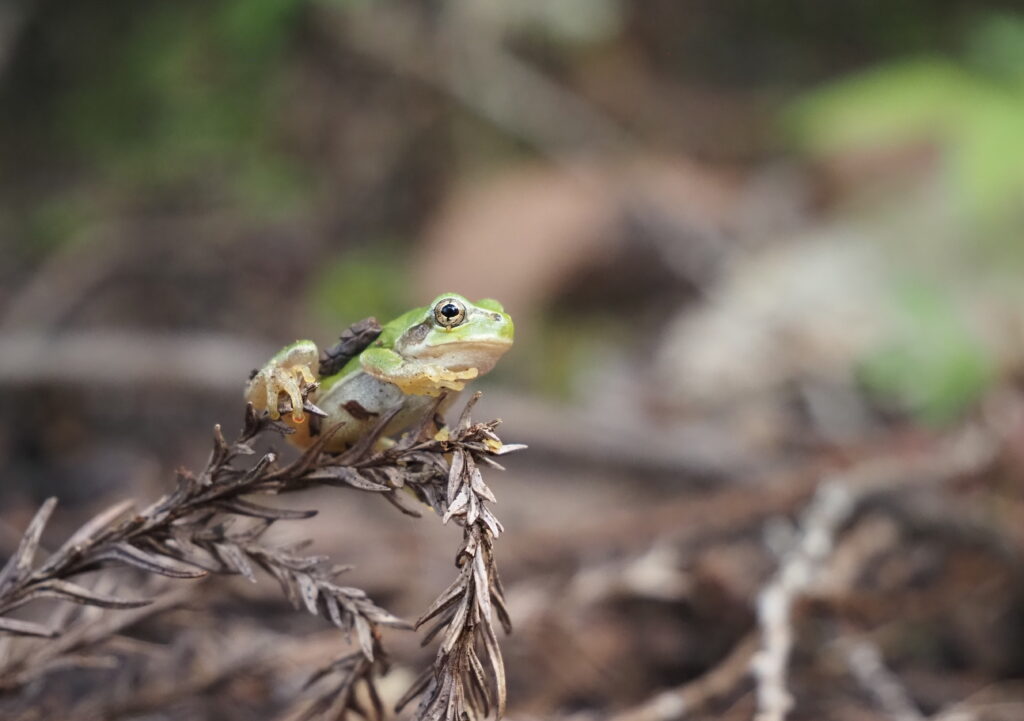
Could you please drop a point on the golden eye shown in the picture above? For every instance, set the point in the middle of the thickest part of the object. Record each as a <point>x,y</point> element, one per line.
<point>449,313</point>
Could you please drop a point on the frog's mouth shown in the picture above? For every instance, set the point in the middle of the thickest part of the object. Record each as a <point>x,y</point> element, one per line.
<point>464,355</point>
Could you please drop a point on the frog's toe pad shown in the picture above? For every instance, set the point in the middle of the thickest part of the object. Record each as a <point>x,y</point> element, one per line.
<point>270,383</point>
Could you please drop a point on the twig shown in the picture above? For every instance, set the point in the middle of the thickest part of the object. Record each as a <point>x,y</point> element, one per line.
<point>467,61</point>
<point>349,673</point>
<point>194,530</point>
<point>113,358</point>
<point>75,647</point>
<point>677,703</point>
<point>186,534</point>
<point>834,503</point>
<point>14,18</point>
<point>457,686</point>
<point>205,661</point>
<point>973,708</point>
<point>866,664</point>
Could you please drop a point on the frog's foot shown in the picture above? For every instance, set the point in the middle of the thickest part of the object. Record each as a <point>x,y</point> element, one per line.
<point>294,381</point>
<point>431,380</point>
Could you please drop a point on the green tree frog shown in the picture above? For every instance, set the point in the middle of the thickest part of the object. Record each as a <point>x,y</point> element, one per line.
<point>416,356</point>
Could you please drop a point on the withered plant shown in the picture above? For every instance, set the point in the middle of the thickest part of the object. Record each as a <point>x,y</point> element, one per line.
<point>213,522</point>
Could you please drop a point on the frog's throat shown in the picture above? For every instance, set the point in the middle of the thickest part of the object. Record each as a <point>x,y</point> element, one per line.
<point>482,355</point>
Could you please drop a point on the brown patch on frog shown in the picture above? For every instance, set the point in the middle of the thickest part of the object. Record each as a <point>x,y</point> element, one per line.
<point>356,410</point>
<point>417,333</point>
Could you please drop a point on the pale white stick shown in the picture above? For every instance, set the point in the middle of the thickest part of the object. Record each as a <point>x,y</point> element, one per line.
<point>833,504</point>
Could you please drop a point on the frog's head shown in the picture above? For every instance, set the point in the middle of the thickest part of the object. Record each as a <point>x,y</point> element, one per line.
<point>458,334</point>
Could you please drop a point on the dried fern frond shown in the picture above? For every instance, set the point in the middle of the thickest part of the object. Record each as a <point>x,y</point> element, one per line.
<point>349,674</point>
<point>211,523</point>
<point>458,685</point>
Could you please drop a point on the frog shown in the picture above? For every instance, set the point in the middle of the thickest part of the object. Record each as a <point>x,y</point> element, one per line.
<point>420,355</point>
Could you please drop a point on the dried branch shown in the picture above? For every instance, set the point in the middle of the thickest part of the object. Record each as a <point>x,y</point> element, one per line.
<point>157,539</point>
<point>76,647</point>
<point>442,470</point>
<point>210,362</point>
<point>208,525</point>
<point>350,344</point>
<point>458,686</point>
<point>864,659</point>
<point>834,504</point>
<point>692,696</point>
<point>307,581</point>
<point>348,674</point>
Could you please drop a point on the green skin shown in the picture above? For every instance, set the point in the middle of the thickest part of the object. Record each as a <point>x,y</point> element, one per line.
<point>416,357</point>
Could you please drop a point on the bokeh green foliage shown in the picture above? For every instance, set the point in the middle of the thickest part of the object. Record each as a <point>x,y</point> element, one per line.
<point>370,278</point>
<point>110,105</point>
<point>970,111</point>
<point>186,92</point>
<point>933,363</point>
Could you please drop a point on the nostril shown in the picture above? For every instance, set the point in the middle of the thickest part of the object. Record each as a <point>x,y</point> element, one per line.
<point>497,317</point>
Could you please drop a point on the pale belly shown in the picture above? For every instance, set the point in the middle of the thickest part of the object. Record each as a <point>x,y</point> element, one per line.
<point>359,401</point>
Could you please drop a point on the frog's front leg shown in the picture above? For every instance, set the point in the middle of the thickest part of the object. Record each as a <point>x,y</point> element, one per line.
<point>419,378</point>
<point>287,372</point>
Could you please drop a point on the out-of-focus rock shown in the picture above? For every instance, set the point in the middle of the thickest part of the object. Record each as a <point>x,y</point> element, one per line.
<point>516,235</point>
<point>525,234</point>
<point>806,309</point>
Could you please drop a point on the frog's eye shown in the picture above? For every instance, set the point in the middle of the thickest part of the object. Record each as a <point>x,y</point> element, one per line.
<point>449,312</point>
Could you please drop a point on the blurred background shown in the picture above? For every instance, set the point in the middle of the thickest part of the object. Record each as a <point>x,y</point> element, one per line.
<point>750,248</point>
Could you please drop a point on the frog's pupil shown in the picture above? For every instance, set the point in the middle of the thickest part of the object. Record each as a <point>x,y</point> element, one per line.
<point>449,310</point>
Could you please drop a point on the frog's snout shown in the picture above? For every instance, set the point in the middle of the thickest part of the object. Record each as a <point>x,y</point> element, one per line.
<point>506,329</point>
